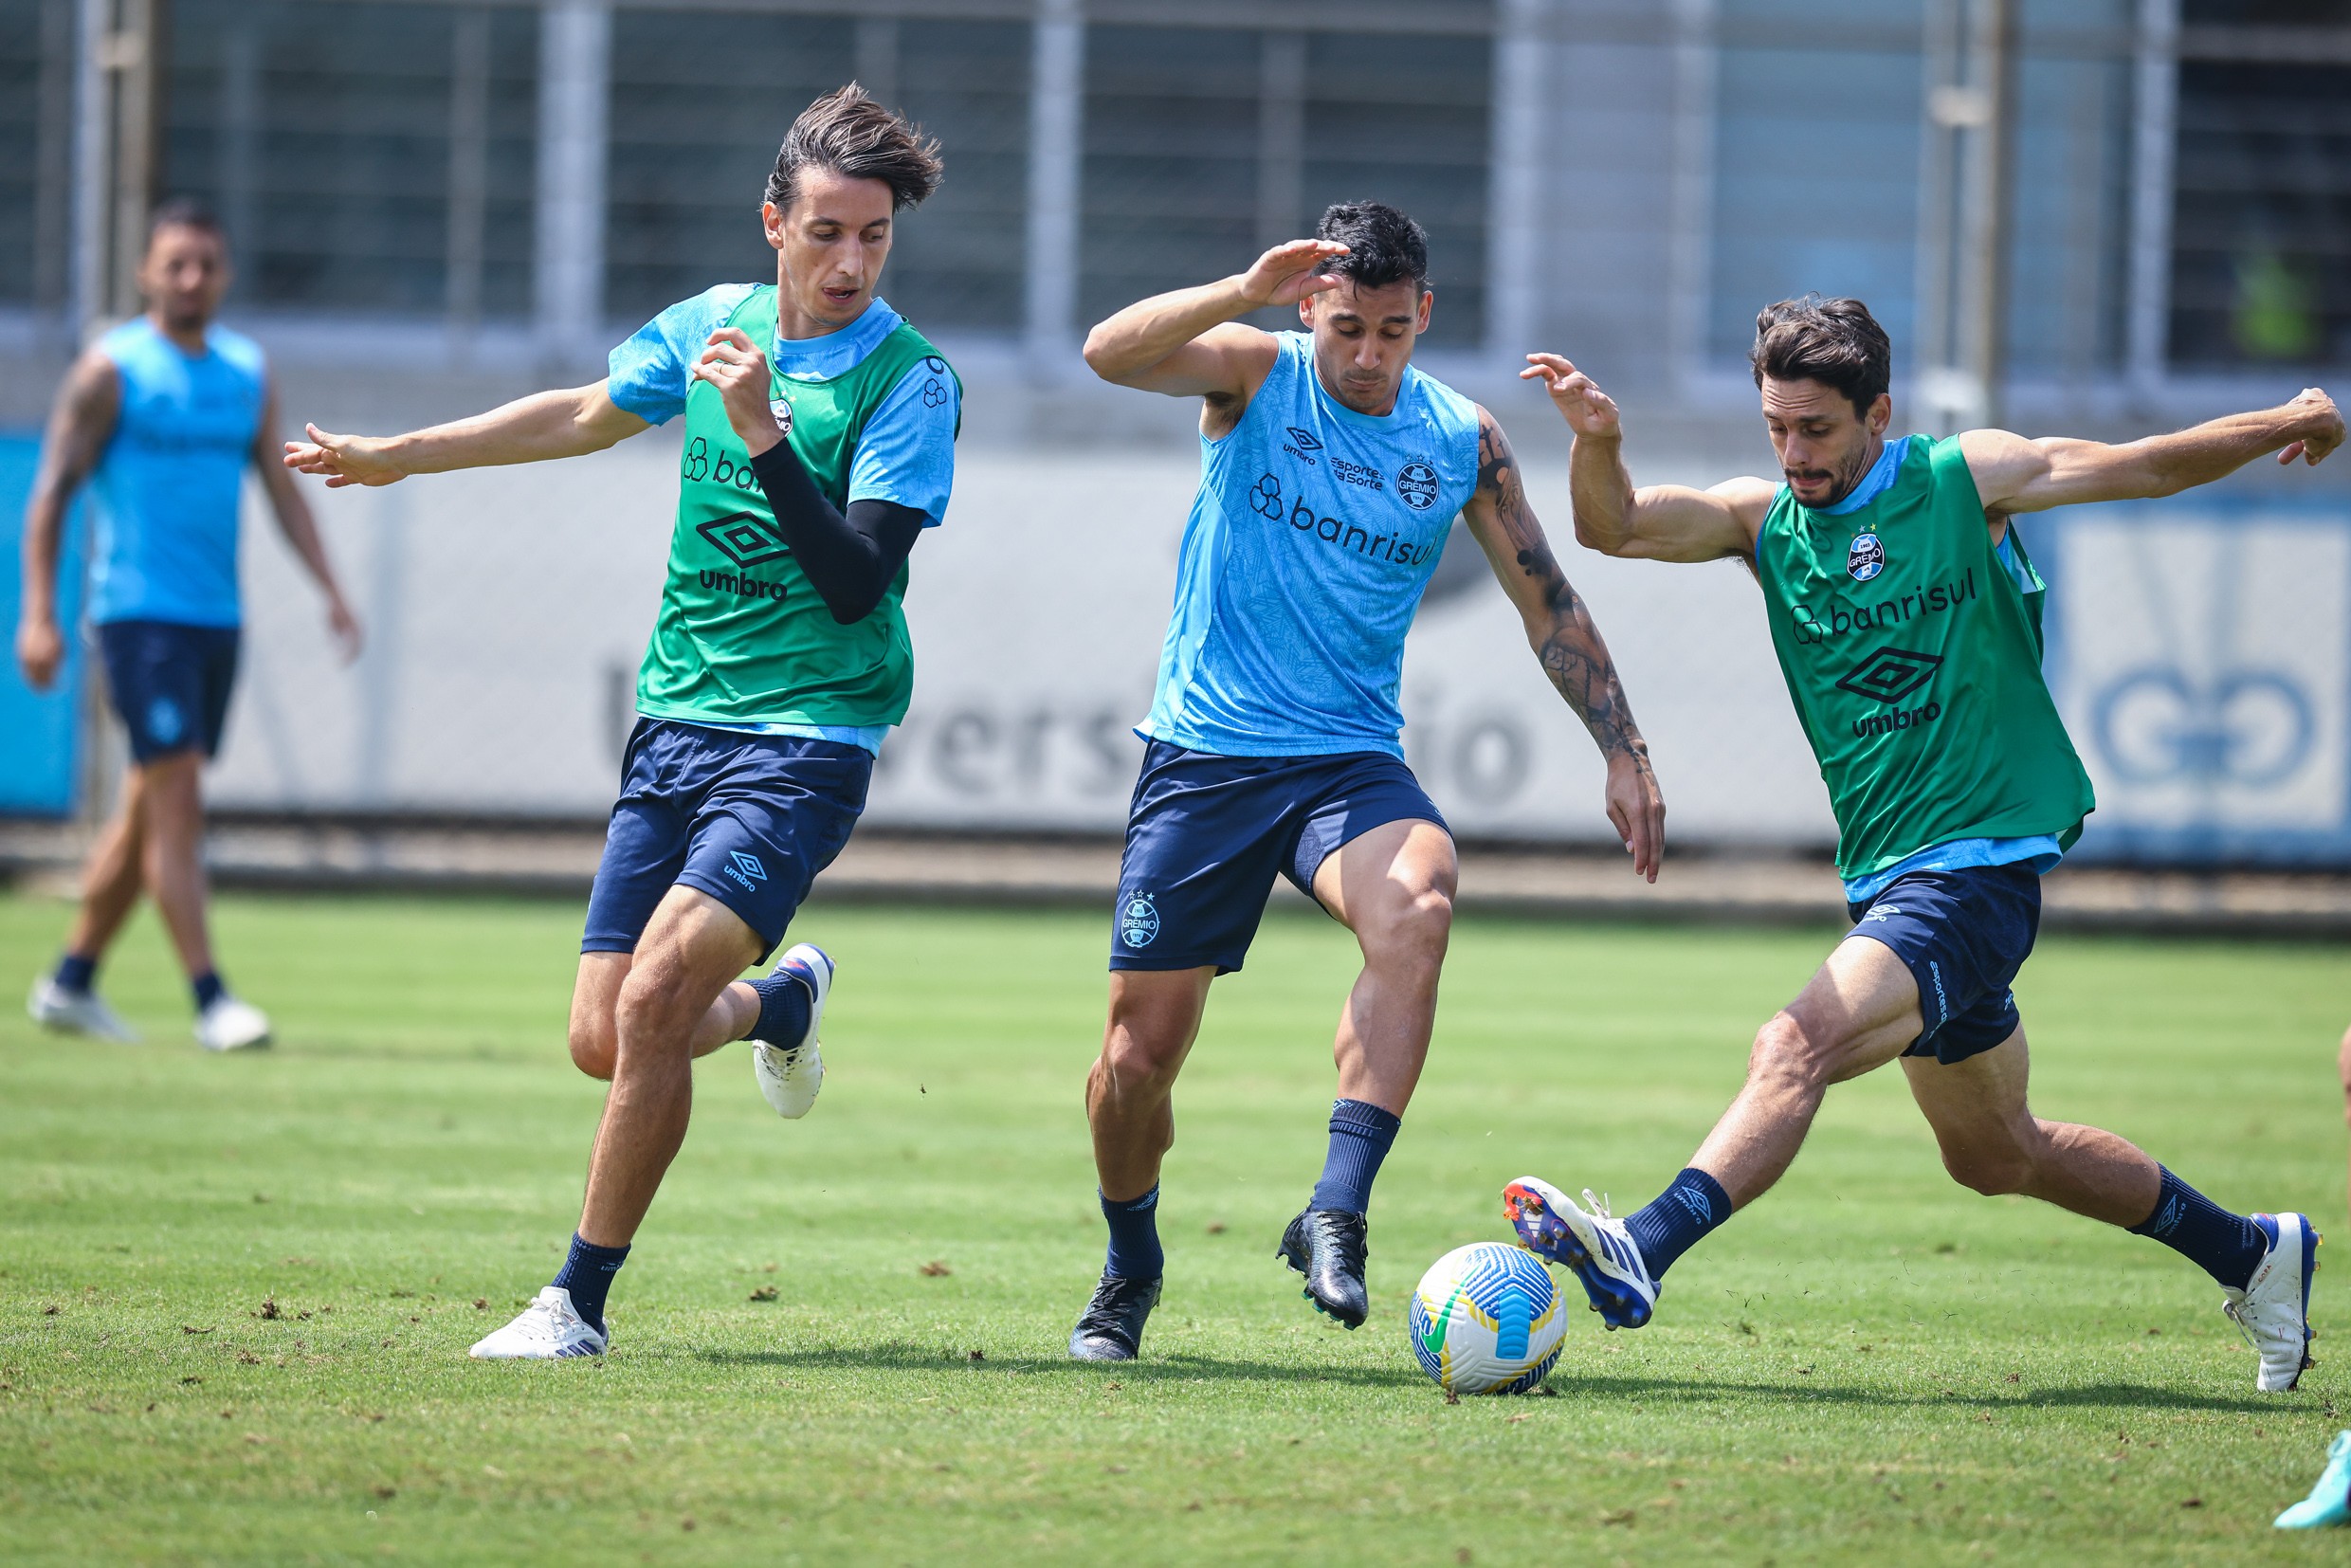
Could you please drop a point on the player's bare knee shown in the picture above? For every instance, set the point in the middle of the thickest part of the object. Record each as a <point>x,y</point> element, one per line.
<point>594,1049</point>
<point>1785,1054</point>
<point>1135,1061</point>
<point>1994,1173</point>
<point>1413,934</point>
<point>2342,1066</point>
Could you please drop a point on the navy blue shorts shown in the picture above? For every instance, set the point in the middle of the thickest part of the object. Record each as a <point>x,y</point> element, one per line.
<point>749,819</point>
<point>170,684</point>
<point>1963,936</point>
<point>1206,835</point>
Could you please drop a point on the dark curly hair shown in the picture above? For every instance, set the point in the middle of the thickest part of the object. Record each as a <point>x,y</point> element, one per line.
<point>1835,342</point>
<point>1383,245</point>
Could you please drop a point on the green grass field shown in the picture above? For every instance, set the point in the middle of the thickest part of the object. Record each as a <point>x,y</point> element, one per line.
<point>235,1293</point>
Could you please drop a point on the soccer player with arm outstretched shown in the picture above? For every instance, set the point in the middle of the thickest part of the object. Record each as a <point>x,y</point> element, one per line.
<point>819,443</point>
<point>1906,616</point>
<point>1331,473</point>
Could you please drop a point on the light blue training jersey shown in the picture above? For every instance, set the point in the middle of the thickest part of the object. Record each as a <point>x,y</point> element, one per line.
<point>2040,851</point>
<point>1313,535</point>
<point>906,454</point>
<point>170,478</point>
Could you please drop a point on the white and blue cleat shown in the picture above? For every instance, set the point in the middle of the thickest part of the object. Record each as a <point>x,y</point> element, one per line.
<point>548,1330</point>
<point>1591,1243</point>
<point>790,1072</point>
<point>2272,1311</point>
<point>2329,1502</point>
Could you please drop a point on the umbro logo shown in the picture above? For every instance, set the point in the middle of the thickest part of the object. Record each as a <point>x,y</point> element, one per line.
<point>1306,443</point>
<point>1890,674</point>
<point>745,538</point>
<point>745,868</point>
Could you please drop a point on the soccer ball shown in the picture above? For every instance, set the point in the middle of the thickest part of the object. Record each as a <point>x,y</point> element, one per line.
<point>1487,1321</point>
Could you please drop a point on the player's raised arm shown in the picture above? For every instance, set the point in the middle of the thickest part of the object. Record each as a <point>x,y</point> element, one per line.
<point>1666,522</point>
<point>2016,473</point>
<point>1189,344</point>
<point>567,423</point>
<point>1560,630</point>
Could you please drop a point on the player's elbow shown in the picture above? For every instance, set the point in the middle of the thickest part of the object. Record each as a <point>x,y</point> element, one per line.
<point>1102,355</point>
<point>1592,536</point>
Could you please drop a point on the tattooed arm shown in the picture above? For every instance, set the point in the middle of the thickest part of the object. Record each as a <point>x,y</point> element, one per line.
<point>1569,645</point>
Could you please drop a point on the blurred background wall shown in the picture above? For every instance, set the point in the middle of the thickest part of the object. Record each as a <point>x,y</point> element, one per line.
<point>2130,215</point>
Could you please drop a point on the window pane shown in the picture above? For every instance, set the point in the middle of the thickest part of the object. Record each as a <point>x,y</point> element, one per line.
<point>2261,230</point>
<point>958,262</point>
<point>691,147</point>
<point>19,100</point>
<point>1170,181</point>
<point>323,138</point>
<point>1404,120</point>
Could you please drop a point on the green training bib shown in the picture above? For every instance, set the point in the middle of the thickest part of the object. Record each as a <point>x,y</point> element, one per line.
<point>742,636</point>
<point>1914,660</point>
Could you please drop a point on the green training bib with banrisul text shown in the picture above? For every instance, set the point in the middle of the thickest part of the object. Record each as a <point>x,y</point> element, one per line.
<point>1914,660</point>
<point>742,636</point>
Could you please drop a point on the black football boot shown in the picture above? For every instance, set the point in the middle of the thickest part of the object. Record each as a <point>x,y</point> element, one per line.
<point>1111,1327</point>
<point>1327,1245</point>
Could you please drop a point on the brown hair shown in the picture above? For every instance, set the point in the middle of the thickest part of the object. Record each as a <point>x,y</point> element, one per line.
<point>1835,342</point>
<point>847,132</point>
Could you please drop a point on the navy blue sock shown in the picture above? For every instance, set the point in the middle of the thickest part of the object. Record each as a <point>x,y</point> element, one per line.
<point>208,988</point>
<point>1135,1236</point>
<point>1361,1134</point>
<point>588,1275</point>
<point>1691,1205</point>
<point>2228,1247</point>
<point>784,1004</point>
<point>75,973</point>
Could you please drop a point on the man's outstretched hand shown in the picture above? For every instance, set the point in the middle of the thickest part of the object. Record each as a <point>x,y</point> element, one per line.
<point>2326,427</point>
<point>1288,273</point>
<point>1587,410</point>
<point>343,459</point>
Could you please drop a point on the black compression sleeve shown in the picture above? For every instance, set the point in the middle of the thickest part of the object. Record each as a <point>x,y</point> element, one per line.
<point>850,560</point>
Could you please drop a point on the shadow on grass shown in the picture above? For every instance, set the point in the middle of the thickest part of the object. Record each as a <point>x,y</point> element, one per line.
<point>2087,1397</point>
<point>899,1356</point>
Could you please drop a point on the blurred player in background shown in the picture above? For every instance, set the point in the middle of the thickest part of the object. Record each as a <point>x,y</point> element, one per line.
<point>1907,620</point>
<point>161,416</point>
<point>819,443</point>
<point>1331,474</point>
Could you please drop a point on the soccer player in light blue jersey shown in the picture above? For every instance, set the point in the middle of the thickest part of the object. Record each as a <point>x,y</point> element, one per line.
<point>162,416</point>
<point>1331,474</point>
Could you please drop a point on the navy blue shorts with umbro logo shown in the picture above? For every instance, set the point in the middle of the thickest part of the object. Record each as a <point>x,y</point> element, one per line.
<point>1206,834</point>
<point>1964,935</point>
<point>749,819</point>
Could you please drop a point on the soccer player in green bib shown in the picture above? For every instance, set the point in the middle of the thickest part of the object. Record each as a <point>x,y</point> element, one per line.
<point>1907,616</point>
<point>819,443</point>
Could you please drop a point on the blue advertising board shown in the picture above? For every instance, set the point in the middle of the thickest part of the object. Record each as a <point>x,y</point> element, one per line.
<point>41,730</point>
<point>2201,651</point>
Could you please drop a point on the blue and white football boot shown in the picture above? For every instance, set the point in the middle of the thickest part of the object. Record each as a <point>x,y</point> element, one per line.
<point>2272,1311</point>
<point>2329,1502</point>
<point>792,1071</point>
<point>1593,1245</point>
<point>548,1330</point>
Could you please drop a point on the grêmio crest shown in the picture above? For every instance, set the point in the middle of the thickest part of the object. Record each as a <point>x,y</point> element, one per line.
<point>1866,559</point>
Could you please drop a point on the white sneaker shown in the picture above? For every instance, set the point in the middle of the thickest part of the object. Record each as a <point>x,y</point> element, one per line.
<point>548,1330</point>
<point>790,1072</point>
<point>52,1006</point>
<point>231,1023</point>
<point>1595,1245</point>
<point>2273,1309</point>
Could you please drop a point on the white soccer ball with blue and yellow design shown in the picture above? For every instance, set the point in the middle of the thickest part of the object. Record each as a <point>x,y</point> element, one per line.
<point>1485,1320</point>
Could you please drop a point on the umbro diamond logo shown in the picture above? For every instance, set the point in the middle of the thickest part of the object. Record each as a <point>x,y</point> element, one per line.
<point>745,868</point>
<point>744,539</point>
<point>1890,674</point>
<point>1306,443</point>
